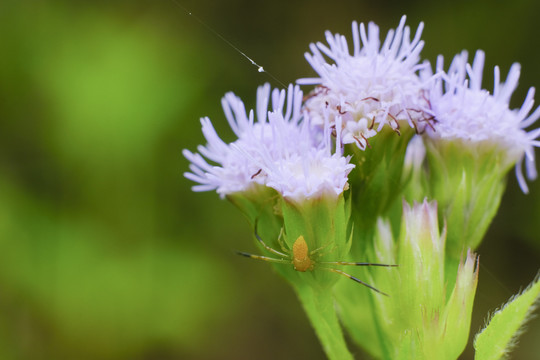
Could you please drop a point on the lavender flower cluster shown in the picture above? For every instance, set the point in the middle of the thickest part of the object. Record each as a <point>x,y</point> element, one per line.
<point>297,146</point>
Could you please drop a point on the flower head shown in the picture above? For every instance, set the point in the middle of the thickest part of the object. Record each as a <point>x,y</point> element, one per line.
<point>233,171</point>
<point>462,110</point>
<point>308,168</point>
<point>374,86</point>
<point>280,150</point>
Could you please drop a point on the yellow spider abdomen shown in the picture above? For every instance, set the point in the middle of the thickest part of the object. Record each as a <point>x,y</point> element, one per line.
<point>301,260</point>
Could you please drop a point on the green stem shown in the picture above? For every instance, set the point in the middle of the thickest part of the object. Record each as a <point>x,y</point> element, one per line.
<point>319,307</point>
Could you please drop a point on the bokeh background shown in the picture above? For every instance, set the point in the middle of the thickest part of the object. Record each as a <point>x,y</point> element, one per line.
<point>105,253</point>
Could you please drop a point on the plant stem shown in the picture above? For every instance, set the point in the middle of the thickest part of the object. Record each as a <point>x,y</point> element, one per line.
<point>319,307</point>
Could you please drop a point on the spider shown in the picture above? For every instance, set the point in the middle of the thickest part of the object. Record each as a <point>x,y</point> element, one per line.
<point>302,259</point>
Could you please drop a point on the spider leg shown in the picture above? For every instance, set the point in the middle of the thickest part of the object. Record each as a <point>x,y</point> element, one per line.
<point>355,263</point>
<point>281,243</point>
<point>354,279</point>
<point>273,251</point>
<point>314,252</point>
<point>264,258</point>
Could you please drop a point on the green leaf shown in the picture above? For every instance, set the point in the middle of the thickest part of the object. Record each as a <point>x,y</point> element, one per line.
<point>498,337</point>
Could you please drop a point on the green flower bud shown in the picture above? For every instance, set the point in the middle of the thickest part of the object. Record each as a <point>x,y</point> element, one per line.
<point>417,318</point>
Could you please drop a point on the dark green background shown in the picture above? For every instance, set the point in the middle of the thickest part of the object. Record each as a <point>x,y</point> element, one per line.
<point>105,253</point>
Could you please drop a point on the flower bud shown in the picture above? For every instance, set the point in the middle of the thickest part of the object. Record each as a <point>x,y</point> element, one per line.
<point>417,318</point>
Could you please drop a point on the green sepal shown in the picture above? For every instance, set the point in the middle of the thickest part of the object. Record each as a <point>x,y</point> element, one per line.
<point>324,222</point>
<point>257,202</point>
<point>468,181</point>
<point>261,205</point>
<point>408,346</point>
<point>378,178</point>
<point>495,341</point>
<point>458,311</point>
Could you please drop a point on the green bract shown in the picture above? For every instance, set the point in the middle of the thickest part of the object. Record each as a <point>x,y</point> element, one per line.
<point>468,180</point>
<point>418,302</point>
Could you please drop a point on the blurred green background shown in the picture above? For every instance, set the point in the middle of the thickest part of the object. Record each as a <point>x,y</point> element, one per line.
<point>105,253</point>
